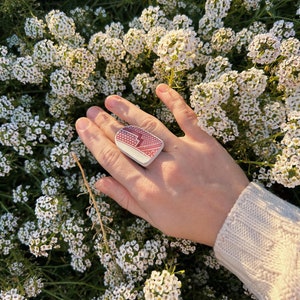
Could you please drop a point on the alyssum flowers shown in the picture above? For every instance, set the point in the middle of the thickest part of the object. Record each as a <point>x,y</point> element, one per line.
<point>242,80</point>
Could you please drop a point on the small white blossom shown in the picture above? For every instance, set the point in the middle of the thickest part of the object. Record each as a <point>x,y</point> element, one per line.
<point>8,227</point>
<point>45,54</point>
<point>287,166</point>
<point>134,41</point>
<point>216,67</point>
<point>152,17</point>
<point>12,294</point>
<point>60,82</point>
<point>143,85</point>
<point>282,29</point>
<point>153,37</point>
<point>33,286</point>
<point>223,40</point>
<point>290,47</point>
<point>5,165</point>
<point>80,62</point>
<point>20,194</point>
<point>177,48</point>
<point>288,73</point>
<point>60,25</point>
<point>251,4</point>
<point>108,48</point>
<point>26,71</point>
<point>264,49</point>
<point>115,30</point>
<point>252,83</point>
<point>34,28</point>
<point>6,64</point>
<point>162,285</point>
<point>181,22</point>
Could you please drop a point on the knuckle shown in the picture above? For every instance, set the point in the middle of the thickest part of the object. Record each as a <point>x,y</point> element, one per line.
<point>109,157</point>
<point>189,113</point>
<point>186,111</point>
<point>149,124</point>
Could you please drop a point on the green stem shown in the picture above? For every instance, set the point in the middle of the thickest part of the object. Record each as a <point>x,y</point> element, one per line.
<point>257,163</point>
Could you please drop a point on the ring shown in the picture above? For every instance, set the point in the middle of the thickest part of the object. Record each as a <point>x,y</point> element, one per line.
<point>138,144</point>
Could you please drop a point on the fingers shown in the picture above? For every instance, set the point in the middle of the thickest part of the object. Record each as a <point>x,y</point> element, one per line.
<point>107,154</point>
<point>184,115</point>
<point>121,195</point>
<point>135,116</point>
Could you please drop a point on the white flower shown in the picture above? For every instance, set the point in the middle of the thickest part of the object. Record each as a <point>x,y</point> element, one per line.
<point>181,22</point>
<point>287,167</point>
<point>264,49</point>
<point>45,54</point>
<point>60,82</point>
<point>8,227</point>
<point>220,7</point>
<point>115,30</point>
<point>134,41</point>
<point>33,286</point>
<point>60,25</point>
<point>207,100</point>
<point>153,37</point>
<point>288,73</point>
<point>100,11</point>
<point>6,64</point>
<point>73,233</point>
<point>46,208</point>
<point>80,62</point>
<point>162,285</point>
<point>152,17</point>
<point>223,40</point>
<point>143,85</point>
<point>34,27</point>
<point>290,47</point>
<point>20,194</point>
<point>12,294</point>
<point>283,30</point>
<point>62,132</point>
<point>252,83</point>
<point>5,165</point>
<point>251,4</point>
<point>216,67</point>
<point>177,49</point>
<point>26,71</point>
<point>108,48</point>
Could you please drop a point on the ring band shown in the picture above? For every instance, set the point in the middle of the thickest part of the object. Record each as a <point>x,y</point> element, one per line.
<point>138,144</point>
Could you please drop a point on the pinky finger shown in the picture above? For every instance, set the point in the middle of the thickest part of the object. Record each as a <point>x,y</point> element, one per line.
<point>112,188</point>
<point>184,115</point>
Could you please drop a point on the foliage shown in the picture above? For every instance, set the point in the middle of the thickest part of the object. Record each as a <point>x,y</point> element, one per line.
<point>237,63</point>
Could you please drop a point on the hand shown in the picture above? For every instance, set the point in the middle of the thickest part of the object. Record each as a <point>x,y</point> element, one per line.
<point>187,191</point>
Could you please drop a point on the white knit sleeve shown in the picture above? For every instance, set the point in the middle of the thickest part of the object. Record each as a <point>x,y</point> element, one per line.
<point>260,243</point>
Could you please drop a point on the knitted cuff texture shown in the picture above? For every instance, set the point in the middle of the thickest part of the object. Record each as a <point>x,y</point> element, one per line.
<point>260,243</point>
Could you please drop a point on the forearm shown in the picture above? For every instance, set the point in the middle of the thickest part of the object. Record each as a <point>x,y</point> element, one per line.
<point>260,243</point>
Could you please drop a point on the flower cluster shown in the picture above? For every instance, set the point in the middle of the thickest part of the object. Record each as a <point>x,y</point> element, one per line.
<point>162,285</point>
<point>237,68</point>
<point>8,225</point>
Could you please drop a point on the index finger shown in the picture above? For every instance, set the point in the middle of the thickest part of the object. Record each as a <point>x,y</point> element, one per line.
<point>123,169</point>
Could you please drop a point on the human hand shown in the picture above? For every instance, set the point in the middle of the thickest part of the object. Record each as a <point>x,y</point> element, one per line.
<point>187,191</point>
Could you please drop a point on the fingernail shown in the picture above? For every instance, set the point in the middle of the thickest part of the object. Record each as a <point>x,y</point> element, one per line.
<point>163,88</point>
<point>112,101</point>
<point>82,124</point>
<point>93,112</point>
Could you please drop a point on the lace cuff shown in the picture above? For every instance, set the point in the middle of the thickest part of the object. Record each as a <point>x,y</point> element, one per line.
<point>260,243</point>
